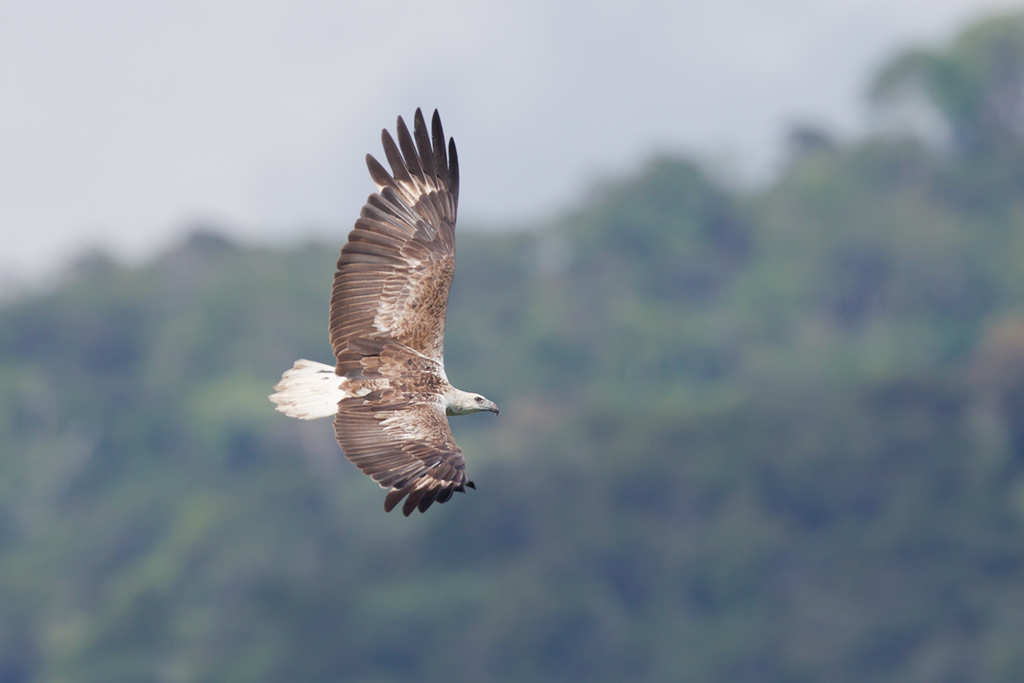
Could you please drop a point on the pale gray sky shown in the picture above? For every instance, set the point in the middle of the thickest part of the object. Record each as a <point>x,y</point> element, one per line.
<point>124,123</point>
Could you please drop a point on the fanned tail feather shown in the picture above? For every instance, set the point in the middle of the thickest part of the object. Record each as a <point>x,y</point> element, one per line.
<point>309,390</point>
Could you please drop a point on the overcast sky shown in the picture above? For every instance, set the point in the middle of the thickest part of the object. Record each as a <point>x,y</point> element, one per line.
<point>123,124</point>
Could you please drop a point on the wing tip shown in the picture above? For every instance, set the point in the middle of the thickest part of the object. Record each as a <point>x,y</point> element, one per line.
<point>392,499</point>
<point>422,498</point>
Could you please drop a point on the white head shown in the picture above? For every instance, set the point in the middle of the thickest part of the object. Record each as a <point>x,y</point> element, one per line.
<point>465,402</point>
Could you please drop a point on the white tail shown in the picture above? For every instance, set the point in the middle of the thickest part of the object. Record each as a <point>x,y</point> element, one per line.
<point>309,390</point>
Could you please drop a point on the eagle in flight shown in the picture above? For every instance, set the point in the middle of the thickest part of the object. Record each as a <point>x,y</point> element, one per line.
<point>388,391</point>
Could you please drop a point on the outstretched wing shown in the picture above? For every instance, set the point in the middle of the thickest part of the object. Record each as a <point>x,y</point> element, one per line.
<point>398,432</point>
<point>404,443</point>
<point>396,269</point>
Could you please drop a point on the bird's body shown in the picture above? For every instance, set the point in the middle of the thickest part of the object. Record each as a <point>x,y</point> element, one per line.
<point>388,390</point>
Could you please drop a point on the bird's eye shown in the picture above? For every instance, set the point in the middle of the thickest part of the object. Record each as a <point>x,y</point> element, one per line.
<point>479,399</point>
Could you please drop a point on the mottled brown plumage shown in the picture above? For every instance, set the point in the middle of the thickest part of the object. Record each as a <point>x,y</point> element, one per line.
<point>387,323</point>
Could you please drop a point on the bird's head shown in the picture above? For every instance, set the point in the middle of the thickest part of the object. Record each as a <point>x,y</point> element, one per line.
<point>468,403</point>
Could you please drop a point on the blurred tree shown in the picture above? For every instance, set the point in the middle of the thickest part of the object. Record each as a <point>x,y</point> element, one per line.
<point>804,140</point>
<point>998,374</point>
<point>976,84</point>
<point>687,230</point>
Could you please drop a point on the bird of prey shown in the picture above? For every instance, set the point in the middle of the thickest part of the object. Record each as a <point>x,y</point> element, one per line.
<point>388,391</point>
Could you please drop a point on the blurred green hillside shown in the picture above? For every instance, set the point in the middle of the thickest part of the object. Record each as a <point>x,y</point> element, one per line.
<point>772,436</point>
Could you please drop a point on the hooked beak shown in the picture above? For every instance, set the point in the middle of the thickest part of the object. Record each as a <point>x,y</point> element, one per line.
<point>494,408</point>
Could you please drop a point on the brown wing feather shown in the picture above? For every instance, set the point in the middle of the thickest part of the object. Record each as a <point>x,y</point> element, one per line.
<point>398,433</point>
<point>403,445</point>
<point>395,272</point>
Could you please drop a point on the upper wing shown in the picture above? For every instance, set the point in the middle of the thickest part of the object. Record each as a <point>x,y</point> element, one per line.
<point>404,443</point>
<point>396,269</point>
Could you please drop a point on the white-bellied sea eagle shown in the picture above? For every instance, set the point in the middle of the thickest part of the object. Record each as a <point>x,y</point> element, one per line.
<point>388,391</point>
